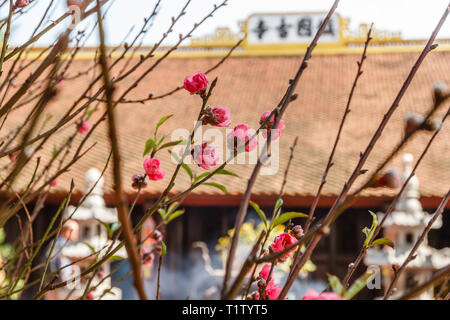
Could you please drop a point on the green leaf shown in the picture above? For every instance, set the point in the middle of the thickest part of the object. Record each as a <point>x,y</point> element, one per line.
<point>89,111</point>
<point>163,249</point>
<point>161,121</point>
<point>201,176</point>
<point>170,144</point>
<point>162,213</point>
<point>359,284</point>
<point>174,215</point>
<point>288,216</point>
<point>335,284</point>
<point>55,152</point>
<point>382,241</point>
<point>369,232</point>
<point>149,146</point>
<point>261,213</point>
<point>220,171</point>
<point>173,206</point>
<point>227,172</point>
<point>184,165</point>
<point>216,185</point>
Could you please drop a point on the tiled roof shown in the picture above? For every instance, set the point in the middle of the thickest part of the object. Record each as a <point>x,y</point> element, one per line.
<point>251,85</point>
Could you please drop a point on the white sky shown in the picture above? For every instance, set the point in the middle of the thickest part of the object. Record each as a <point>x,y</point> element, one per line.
<point>414,18</point>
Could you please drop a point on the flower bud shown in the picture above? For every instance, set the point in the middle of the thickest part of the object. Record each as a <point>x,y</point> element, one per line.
<point>196,84</point>
<point>13,156</point>
<point>217,116</point>
<point>390,179</point>
<point>432,125</point>
<point>83,127</point>
<point>441,90</point>
<point>395,267</point>
<point>297,231</point>
<point>412,122</point>
<point>75,3</point>
<point>20,4</point>
<point>158,247</point>
<point>148,258</point>
<point>139,181</point>
<point>261,284</point>
<point>157,236</point>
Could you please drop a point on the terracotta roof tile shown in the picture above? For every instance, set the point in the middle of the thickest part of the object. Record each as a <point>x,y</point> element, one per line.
<point>251,85</point>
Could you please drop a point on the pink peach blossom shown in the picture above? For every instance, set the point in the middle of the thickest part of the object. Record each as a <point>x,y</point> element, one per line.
<point>272,291</point>
<point>205,156</point>
<point>283,241</point>
<point>239,136</point>
<point>264,273</point>
<point>276,134</point>
<point>196,83</point>
<point>153,170</point>
<point>54,182</point>
<point>314,295</point>
<point>218,116</point>
<point>84,127</point>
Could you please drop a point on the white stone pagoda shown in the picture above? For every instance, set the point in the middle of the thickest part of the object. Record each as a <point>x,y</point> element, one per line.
<point>93,236</point>
<point>404,226</point>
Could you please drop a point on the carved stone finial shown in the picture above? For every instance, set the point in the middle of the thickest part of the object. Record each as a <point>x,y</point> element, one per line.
<point>92,176</point>
<point>409,201</point>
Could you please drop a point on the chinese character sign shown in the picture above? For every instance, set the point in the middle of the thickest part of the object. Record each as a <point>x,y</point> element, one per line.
<point>290,28</point>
